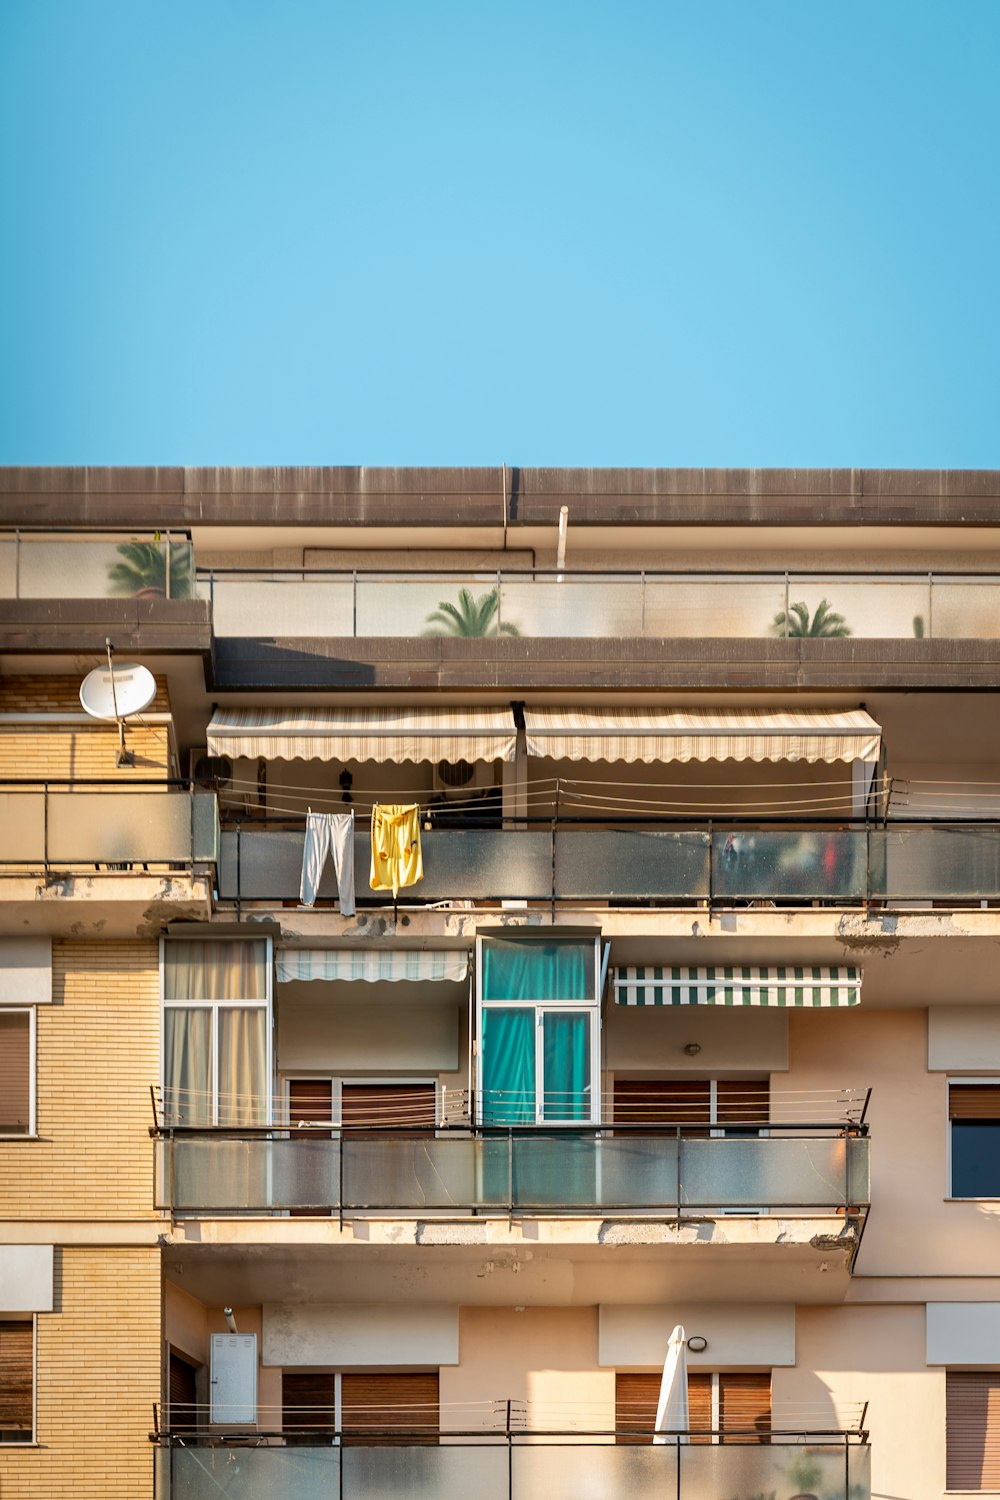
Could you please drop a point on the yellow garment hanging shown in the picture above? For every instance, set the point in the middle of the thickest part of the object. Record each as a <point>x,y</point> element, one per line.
<point>396,857</point>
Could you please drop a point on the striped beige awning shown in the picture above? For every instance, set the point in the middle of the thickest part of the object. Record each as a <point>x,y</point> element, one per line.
<point>653,734</point>
<point>785,987</point>
<point>385,734</point>
<point>371,965</point>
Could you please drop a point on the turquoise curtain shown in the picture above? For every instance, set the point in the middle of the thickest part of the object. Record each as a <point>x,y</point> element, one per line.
<point>566,1061</point>
<point>508,1067</point>
<point>537,971</point>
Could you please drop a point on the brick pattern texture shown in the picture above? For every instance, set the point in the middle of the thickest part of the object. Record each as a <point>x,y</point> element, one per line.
<point>98,1053</point>
<point>35,751</point>
<point>98,1376</point>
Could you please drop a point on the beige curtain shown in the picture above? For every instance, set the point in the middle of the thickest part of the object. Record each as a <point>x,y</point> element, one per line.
<point>242,1066</point>
<point>215,970</point>
<point>187,1066</point>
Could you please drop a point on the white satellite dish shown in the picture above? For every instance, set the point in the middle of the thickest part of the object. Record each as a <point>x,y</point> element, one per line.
<point>117,693</point>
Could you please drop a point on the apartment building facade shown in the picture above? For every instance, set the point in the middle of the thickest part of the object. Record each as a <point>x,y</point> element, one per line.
<point>505,915</point>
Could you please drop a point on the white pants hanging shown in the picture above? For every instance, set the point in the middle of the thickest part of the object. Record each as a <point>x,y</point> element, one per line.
<point>333,834</point>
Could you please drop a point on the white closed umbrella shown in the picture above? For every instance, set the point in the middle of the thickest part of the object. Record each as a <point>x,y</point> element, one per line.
<point>672,1407</point>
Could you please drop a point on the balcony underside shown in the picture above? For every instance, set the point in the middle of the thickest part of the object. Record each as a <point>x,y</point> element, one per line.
<point>530,1262</point>
<point>104,904</point>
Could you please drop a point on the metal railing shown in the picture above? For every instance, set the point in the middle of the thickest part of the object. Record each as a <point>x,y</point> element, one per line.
<point>516,1466</point>
<point>667,1172</point>
<point>304,602</point>
<point>52,825</point>
<point>721,864</point>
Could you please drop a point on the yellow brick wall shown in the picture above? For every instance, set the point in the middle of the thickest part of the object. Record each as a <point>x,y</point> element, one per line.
<point>98,1376</point>
<point>36,751</point>
<point>98,1053</point>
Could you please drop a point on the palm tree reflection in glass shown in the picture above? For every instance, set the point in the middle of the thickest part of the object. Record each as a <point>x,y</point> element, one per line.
<point>470,616</point>
<point>796,622</point>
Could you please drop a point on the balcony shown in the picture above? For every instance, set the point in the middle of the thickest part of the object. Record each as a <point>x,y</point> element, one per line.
<point>725,865</point>
<point>306,604</point>
<point>116,850</point>
<point>137,587</point>
<point>628,631</point>
<point>519,1466</point>
<point>667,1173</point>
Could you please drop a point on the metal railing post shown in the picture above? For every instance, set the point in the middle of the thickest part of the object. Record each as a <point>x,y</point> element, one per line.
<point>930,606</point>
<point>510,1172</point>
<point>167,561</point>
<point>787,604</point>
<point>678,1177</point>
<point>510,1457</point>
<point>642,604</point>
<point>239,868</point>
<point>354,604</point>
<point>17,564</point>
<point>341,1144</point>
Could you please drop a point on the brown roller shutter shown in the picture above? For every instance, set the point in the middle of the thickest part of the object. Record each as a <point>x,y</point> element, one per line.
<point>637,1397</point>
<point>15,1072</point>
<point>308,1406</point>
<point>635,1406</point>
<point>662,1101</point>
<point>974,1101</point>
<point>310,1101</point>
<point>182,1387</point>
<point>406,1108</point>
<point>700,1405</point>
<point>16,1380</point>
<point>745,1408</point>
<point>973,1430</point>
<point>401,1409</point>
<point>742,1101</point>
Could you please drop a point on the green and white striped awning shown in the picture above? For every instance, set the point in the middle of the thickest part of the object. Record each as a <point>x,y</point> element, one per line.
<point>371,965</point>
<point>786,987</point>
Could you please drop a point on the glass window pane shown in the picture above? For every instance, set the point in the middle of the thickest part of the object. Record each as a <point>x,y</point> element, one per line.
<point>515,970</point>
<point>242,1066</point>
<point>975,1158</point>
<point>508,1064</point>
<point>187,1066</point>
<point>15,1072</point>
<point>215,971</point>
<point>566,1060</point>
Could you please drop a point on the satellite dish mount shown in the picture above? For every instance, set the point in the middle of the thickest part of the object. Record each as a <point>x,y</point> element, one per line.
<point>117,695</point>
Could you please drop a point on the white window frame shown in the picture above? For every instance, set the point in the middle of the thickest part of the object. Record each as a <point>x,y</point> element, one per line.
<point>31,1134</point>
<point>32,1440</point>
<point>215,1006</point>
<point>987,1082</point>
<point>590,1008</point>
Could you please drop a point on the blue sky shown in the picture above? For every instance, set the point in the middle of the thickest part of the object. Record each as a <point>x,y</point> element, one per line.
<point>719,232</point>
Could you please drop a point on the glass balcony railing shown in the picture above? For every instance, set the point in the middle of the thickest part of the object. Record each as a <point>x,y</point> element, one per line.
<point>303,603</point>
<point>58,827</point>
<point>717,865</point>
<point>667,1172</point>
<point>129,565</point>
<point>833,1466</point>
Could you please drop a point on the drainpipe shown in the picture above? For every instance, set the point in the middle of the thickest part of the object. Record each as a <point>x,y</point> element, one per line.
<point>561,545</point>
